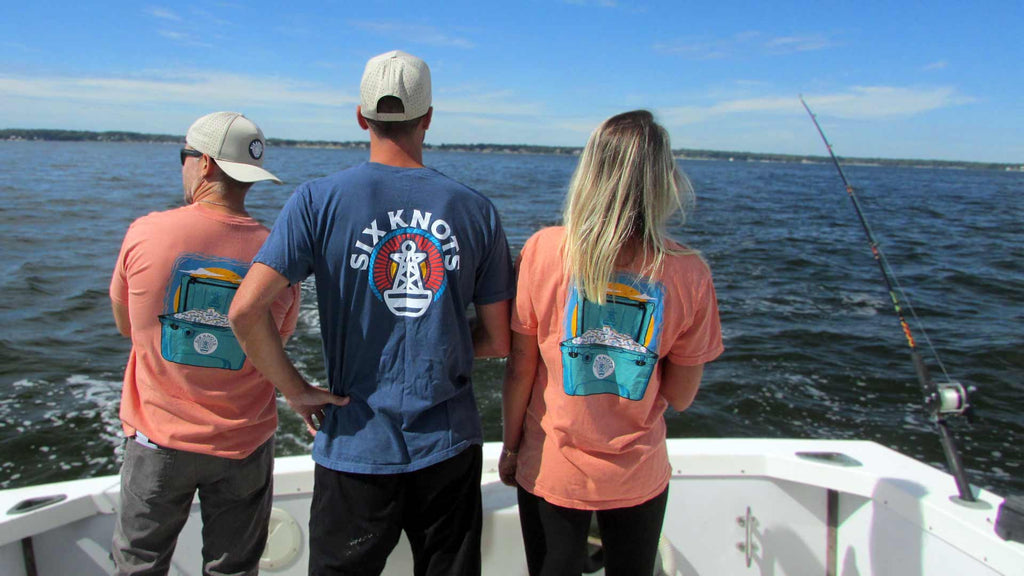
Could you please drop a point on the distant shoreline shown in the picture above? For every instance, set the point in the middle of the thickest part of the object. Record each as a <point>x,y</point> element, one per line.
<point>18,134</point>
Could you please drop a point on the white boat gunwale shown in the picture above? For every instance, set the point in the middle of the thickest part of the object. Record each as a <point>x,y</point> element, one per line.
<point>920,495</point>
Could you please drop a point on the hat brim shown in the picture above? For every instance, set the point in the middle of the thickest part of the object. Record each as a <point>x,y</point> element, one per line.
<point>246,172</point>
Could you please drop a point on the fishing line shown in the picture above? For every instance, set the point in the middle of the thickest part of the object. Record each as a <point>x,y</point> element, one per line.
<point>941,399</point>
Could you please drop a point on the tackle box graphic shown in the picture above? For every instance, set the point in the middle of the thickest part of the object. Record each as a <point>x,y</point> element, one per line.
<point>604,354</point>
<point>198,333</point>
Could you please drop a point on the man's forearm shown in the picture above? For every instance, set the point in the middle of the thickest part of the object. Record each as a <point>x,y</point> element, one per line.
<point>257,333</point>
<point>261,341</point>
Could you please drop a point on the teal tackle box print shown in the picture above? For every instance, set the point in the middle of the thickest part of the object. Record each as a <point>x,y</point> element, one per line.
<point>198,333</point>
<point>608,349</point>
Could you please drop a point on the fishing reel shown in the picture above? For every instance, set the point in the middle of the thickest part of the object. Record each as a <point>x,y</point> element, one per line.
<point>950,398</point>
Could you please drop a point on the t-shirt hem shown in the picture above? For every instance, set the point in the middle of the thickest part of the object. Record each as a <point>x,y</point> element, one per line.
<point>595,505</point>
<point>206,450</point>
<point>525,330</point>
<point>341,465</point>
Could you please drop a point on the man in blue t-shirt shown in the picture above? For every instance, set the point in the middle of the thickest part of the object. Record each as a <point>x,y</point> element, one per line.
<point>399,252</point>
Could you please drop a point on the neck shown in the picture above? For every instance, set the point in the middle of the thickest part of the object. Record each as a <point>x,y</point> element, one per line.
<point>406,153</point>
<point>220,201</point>
<point>224,207</point>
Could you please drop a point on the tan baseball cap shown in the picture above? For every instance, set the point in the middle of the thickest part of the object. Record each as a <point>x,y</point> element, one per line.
<point>397,74</point>
<point>234,142</point>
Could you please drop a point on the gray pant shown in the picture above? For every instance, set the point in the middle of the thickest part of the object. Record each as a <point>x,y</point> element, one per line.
<point>157,487</point>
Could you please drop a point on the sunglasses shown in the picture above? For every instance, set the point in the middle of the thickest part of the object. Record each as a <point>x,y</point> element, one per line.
<point>186,152</point>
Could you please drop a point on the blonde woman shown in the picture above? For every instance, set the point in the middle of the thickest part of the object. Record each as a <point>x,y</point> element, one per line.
<point>613,322</point>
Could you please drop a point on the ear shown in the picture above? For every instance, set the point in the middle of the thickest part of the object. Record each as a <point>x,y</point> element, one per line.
<point>208,167</point>
<point>359,118</point>
<point>425,123</point>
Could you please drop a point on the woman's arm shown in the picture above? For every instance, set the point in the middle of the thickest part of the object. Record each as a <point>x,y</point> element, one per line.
<point>122,319</point>
<point>679,384</point>
<point>520,371</point>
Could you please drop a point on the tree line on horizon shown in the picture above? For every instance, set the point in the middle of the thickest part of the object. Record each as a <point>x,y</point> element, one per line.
<point>15,134</point>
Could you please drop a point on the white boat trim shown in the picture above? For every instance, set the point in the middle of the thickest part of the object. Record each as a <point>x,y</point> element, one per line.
<point>799,515</point>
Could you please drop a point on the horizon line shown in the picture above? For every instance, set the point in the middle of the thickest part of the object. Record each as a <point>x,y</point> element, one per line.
<point>11,134</point>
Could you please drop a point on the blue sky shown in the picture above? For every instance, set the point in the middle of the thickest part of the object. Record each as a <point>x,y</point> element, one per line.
<point>888,79</point>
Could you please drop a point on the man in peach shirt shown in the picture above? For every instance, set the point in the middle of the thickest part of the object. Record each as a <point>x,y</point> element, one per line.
<point>197,414</point>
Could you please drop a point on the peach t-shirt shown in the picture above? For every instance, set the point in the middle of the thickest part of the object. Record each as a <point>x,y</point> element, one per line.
<point>182,404</point>
<point>605,450</point>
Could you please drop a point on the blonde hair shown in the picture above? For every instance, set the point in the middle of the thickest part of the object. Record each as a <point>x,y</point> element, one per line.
<point>624,189</point>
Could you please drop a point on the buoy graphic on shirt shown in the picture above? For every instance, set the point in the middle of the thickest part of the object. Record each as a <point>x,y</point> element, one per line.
<point>408,271</point>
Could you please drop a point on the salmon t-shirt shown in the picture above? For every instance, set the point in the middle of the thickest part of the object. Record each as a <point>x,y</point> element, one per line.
<point>188,385</point>
<point>594,432</point>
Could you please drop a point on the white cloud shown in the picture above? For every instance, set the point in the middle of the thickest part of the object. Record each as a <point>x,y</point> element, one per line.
<point>787,44</point>
<point>414,33</point>
<point>767,104</point>
<point>936,65</point>
<point>163,14</point>
<point>856,102</point>
<point>164,100</point>
<point>697,49</point>
<point>294,109</point>
<point>477,100</point>
<point>209,19</point>
<point>200,88</point>
<point>172,35</point>
<point>518,130</point>
<point>184,39</point>
<point>881,101</point>
<point>744,43</point>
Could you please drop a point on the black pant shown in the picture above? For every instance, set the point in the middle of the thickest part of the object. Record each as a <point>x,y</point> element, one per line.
<point>556,537</point>
<point>356,519</point>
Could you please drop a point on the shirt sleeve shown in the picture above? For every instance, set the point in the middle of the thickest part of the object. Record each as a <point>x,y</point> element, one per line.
<point>119,280</point>
<point>286,307</point>
<point>524,316</point>
<point>701,341</point>
<point>495,280</point>
<point>290,247</point>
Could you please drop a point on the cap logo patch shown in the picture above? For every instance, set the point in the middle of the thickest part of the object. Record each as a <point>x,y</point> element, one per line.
<point>256,149</point>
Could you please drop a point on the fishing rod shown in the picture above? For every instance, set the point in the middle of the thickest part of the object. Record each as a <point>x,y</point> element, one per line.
<point>941,399</point>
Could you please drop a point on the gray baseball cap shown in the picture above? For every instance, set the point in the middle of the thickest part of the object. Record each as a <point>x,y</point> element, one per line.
<point>397,74</point>
<point>235,142</point>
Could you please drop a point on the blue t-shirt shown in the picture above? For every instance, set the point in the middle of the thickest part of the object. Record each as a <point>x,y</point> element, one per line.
<point>398,255</point>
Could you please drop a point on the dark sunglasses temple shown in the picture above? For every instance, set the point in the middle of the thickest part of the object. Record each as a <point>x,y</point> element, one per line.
<point>185,153</point>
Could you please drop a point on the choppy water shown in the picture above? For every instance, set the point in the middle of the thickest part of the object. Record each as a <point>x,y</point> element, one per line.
<point>813,347</point>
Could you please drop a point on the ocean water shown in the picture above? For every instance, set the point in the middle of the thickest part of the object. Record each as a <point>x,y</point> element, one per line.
<point>813,348</point>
